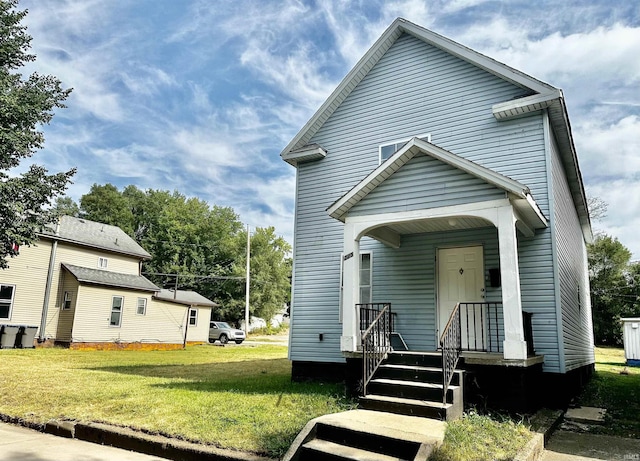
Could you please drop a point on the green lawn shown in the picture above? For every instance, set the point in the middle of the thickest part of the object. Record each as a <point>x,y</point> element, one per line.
<point>231,397</point>
<point>618,393</point>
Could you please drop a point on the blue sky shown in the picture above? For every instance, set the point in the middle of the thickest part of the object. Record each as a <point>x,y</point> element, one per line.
<point>201,96</point>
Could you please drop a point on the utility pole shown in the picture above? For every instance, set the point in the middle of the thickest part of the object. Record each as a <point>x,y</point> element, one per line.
<point>246,303</point>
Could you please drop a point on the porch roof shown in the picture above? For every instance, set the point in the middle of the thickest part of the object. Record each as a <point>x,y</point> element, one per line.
<point>518,193</point>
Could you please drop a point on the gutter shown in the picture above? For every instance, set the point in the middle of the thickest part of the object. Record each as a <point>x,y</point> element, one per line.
<point>47,288</point>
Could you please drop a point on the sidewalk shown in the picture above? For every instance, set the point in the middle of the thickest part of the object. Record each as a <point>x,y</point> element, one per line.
<point>574,446</point>
<point>21,444</point>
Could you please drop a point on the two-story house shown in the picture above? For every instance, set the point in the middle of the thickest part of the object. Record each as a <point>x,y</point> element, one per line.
<point>81,284</point>
<point>440,210</point>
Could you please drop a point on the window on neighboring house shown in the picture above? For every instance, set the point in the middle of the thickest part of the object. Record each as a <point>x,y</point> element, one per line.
<point>365,280</point>
<point>116,311</point>
<point>6,300</point>
<point>388,149</point>
<point>142,306</point>
<point>66,300</point>
<point>102,263</point>
<point>193,317</point>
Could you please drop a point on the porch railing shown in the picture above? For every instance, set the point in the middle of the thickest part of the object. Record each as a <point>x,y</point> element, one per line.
<point>376,326</point>
<point>451,345</point>
<point>481,327</point>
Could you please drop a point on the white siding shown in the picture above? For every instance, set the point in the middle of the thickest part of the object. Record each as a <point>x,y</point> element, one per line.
<point>414,89</point>
<point>574,294</point>
<point>163,323</point>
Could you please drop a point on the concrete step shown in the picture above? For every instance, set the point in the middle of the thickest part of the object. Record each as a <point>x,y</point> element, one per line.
<point>365,439</point>
<point>410,407</point>
<point>410,389</point>
<point>323,450</point>
<point>422,359</point>
<point>416,373</point>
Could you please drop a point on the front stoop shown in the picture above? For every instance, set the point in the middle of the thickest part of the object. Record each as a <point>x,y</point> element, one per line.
<point>367,435</point>
<point>410,383</point>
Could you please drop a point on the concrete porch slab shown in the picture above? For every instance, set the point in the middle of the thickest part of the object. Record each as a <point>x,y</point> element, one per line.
<point>586,415</point>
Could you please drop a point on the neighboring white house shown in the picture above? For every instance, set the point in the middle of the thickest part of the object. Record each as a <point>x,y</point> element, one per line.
<point>80,284</point>
<point>435,175</point>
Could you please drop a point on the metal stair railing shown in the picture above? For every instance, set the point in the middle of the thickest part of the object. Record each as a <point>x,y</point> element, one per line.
<point>451,345</point>
<point>376,340</point>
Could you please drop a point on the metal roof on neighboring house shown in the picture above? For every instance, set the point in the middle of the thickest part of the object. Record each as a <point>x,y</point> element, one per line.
<point>109,278</point>
<point>95,235</point>
<point>189,298</point>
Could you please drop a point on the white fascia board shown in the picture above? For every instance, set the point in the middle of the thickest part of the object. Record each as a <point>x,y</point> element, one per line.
<point>346,86</point>
<point>521,106</point>
<point>380,47</point>
<point>400,158</point>
<point>304,155</point>
<point>478,59</point>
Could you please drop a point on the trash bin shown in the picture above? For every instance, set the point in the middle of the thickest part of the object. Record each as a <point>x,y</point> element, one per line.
<point>28,335</point>
<point>8,338</point>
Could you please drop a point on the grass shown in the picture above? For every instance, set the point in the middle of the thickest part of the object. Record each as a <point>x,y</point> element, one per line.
<point>482,438</point>
<point>231,397</point>
<point>618,393</point>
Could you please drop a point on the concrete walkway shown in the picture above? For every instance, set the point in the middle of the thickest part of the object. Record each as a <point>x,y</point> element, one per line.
<point>574,446</point>
<point>21,444</point>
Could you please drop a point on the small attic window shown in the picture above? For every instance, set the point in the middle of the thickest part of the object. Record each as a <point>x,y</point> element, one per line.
<point>388,149</point>
<point>103,263</point>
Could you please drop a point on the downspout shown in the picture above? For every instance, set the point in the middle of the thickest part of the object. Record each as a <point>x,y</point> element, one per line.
<point>186,328</point>
<point>47,288</point>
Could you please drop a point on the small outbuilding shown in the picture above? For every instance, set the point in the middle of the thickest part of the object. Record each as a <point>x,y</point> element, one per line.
<point>631,338</point>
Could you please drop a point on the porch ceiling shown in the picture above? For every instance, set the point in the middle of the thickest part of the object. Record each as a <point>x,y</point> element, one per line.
<point>437,225</point>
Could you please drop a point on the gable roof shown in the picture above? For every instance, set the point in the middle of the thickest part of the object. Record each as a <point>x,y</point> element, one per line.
<point>110,279</point>
<point>515,189</point>
<point>185,297</point>
<point>94,235</point>
<point>545,97</point>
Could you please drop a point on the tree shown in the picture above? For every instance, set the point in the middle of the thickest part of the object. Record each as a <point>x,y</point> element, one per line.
<point>25,104</point>
<point>270,276</point>
<point>106,204</point>
<point>67,206</point>
<point>614,287</point>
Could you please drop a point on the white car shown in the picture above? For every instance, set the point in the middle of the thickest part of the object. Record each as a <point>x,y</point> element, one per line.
<point>221,331</point>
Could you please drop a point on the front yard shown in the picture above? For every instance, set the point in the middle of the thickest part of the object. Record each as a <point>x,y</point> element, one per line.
<point>232,397</point>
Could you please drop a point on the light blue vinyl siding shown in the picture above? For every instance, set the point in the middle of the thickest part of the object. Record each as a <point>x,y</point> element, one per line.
<point>575,300</point>
<point>414,89</point>
<point>425,182</point>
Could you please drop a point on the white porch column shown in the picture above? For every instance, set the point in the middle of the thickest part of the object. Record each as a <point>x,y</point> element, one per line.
<point>350,290</point>
<point>514,346</point>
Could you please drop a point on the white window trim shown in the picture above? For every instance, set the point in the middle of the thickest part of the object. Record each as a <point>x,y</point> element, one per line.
<point>401,141</point>
<point>195,317</point>
<point>121,311</point>
<point>368,252</point>
<point>103,262</point>
<point>66,297</point>
<point>144,310</point>
<point>13,295</point>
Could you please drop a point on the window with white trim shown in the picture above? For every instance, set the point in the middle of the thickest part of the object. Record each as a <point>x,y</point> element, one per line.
<point>386,150</point>
<point>193,317</point>
<point>366,266</point>
<point>117,303</point>
<point>66,300</point>
<point>142,306</point>
<point>6,300</point>
<point>365,278</point>
<point>102,263</point>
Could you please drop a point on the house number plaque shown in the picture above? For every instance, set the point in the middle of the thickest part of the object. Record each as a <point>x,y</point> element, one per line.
<point>348,256</point>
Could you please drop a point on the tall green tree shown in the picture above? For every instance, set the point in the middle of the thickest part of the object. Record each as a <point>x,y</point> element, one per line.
<point>614,287</point>
<point>106,204</point>
<point>270,276</point>
<point>25,104</point>
<point>67,206</point>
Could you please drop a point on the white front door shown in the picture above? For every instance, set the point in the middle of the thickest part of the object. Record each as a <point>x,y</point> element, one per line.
<point>461,279</point>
